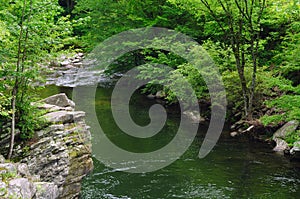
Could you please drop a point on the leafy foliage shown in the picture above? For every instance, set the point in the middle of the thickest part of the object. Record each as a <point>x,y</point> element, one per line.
<point>31,31</point>
<point>268,49</point>
<point>287,108</point>
<point>293,137</point>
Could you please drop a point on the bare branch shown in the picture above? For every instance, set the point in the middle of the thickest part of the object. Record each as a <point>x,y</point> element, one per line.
<point>241,10</point>
<point>251,8</point>
<point>206,4</point>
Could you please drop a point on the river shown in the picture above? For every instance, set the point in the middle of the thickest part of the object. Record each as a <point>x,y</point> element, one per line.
<point>236,168</point>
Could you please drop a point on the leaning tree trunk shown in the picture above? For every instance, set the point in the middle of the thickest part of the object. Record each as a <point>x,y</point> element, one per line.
<point>16,86</point>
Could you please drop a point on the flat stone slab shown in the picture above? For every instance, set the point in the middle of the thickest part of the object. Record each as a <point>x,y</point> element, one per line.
<point>65,116</point>
<point>59,100</point>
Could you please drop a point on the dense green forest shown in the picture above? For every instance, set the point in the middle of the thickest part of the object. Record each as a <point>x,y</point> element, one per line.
<point>255,44</point>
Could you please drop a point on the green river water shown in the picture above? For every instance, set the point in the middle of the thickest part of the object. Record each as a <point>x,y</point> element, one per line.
<point>234,169</point>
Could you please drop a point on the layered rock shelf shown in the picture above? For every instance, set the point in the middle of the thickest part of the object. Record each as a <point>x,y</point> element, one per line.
<point>58,159</point>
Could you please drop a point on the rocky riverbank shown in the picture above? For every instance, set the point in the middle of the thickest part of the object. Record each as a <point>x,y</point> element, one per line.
<point>76,70</point>
<point>274,136</point>
<point>53,164</point>
<point>17,182</point>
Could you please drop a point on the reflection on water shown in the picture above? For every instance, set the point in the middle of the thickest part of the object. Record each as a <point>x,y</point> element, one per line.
<point>234,169</point>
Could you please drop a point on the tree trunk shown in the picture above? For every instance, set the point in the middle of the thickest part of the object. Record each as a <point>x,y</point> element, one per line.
<point>16,86</point>
<point>12,133</point>
<point>242,78</point>
<point>254,52</point>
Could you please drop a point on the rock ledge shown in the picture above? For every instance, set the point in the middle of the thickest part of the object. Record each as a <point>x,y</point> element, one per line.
<point>53,165</point>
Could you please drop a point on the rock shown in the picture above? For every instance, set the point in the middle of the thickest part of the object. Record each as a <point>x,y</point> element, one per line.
<point>52,108</point>
<point>65,63</point>
<point>57,160</point>
<point>54,64</point>
<point>2,188</point>
<point>295,151</point>
<point>23,170</point>
<point>59,117</point>
<point>59,100</point>
<point>150,96</point>
<point>64,159</point>
<point>281,133</point>
<point>237,125</point>
<point>46,190</point>
<point>76,60</point>
<point>26,187</point>
<point>160,94</point>
<point>65,116</point>
<point>194,116</point>
<point>2,159</point>
<point>79,64</point>
<point>69,67</point>
<point>8,168</point>
<point>288,127</point>
<point>21,188</point>
<point>35,178</point>
<point>62,155</point>
<point>281,145</point>
<point>80,54</point>
<point>234,134</point>
<point>53,128</point>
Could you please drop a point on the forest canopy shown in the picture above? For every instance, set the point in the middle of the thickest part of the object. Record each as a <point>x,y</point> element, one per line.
<point>255,44</point>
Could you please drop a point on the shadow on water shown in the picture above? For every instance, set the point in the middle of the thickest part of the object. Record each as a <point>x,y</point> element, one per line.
<point>234,169</point>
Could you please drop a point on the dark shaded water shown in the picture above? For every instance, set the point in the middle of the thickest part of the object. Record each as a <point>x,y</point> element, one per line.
<point>234,169</point>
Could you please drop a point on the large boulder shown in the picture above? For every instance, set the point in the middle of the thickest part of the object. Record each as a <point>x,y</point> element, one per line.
<point>281,133</point>
<point>59,100</point>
